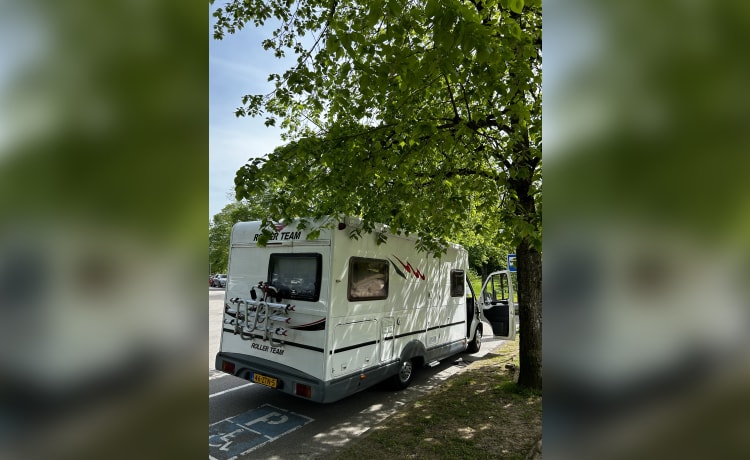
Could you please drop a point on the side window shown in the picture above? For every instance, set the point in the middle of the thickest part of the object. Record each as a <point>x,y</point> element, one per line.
<point>296,276</point>
<point>457,283</point>
<point>504,291</point>
<point>368,279</point>
<point>497,289</point>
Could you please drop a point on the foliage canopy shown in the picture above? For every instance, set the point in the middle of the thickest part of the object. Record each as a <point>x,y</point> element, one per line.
<point>220,230</point>
<point>422,115</point>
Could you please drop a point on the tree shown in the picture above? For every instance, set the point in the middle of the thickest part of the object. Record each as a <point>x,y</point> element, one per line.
<point>486,258</point>
<point>425,116</point>
<point>220,229</point>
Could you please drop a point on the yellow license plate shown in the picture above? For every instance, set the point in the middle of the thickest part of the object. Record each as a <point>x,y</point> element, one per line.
<point>263,380</point>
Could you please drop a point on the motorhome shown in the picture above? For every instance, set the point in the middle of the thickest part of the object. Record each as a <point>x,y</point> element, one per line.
<point>326,313</point>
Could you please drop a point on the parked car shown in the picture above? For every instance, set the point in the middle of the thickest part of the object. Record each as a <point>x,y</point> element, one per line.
<point>219,280</point>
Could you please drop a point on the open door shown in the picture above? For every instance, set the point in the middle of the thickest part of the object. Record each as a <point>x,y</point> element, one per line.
<point>498,305</point>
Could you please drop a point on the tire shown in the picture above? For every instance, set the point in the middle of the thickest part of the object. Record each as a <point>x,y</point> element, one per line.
<point>476,343</point>
<point>404,376</point>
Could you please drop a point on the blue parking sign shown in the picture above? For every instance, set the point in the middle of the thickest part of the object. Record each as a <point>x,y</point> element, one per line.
<point>512,263</point>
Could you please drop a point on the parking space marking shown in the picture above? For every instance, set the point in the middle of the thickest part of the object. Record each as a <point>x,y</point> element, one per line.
<point>243,433</point>
<point>229,390</point>
<point>214,374</point>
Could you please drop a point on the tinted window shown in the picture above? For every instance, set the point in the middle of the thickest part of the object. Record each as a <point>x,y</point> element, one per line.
<point>368,279</point>
<point>457,283</point>
<point>296,276</point>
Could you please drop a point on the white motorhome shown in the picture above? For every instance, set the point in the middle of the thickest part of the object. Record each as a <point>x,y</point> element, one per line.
<point>324,317</point>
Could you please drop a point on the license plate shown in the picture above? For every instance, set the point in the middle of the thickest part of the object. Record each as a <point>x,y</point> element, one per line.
<point>264,380</point>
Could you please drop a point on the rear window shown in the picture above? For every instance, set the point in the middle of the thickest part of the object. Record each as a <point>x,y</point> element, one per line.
<point>368,279</point>
<point>296,276</point>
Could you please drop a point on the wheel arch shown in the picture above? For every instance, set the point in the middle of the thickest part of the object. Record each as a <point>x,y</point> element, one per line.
<point>415,351</point>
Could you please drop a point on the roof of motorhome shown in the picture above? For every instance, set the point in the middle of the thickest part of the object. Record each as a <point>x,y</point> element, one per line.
<point>246,231</point>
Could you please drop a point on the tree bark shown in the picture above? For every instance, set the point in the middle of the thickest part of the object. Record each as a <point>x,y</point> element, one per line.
<point>530,315</point>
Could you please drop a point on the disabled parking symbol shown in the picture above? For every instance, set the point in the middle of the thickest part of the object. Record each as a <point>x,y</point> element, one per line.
<point>227,440</point>
<point>240,434</point>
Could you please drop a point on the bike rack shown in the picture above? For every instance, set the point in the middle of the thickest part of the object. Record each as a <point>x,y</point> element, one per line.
<point>260,314</point>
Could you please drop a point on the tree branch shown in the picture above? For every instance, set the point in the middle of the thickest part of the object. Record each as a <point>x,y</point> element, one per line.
<point>453,102</point>
<point>489,122</point>
<point>466,102</point>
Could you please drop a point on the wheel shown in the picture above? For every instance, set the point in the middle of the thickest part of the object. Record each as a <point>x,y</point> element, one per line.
<point>404,376</point>
<point>476,343</point>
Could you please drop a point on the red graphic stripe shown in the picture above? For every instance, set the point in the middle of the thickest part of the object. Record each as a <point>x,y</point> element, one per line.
<point>409,269</point>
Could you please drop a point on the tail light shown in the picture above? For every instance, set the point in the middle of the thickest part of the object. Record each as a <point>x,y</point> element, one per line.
<point>227,367</point>
<point>302,390</point>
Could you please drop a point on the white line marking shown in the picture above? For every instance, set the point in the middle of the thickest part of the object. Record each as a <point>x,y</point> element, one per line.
<point>231,389</point>
<point>218,375</point>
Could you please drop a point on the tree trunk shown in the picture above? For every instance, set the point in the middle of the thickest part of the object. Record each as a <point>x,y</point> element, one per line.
<point>529,262</point>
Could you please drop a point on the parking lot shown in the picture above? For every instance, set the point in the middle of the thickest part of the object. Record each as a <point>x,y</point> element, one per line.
<point>248,420</point>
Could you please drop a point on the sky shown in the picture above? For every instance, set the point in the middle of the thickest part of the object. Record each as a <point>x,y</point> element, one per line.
<point>238,65</point>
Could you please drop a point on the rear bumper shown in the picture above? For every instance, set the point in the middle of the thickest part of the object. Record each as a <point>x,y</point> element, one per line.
<point>288,378</point>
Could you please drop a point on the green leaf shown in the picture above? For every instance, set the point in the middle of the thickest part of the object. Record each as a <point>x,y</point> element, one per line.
<point>513,28</point>
<point>516,6</point>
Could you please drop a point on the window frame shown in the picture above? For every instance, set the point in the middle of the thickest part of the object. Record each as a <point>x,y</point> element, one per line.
<point>300,255</point>
<point>457,282</point>
<point>355,259</point>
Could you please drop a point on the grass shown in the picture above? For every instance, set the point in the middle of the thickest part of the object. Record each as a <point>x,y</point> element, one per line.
<point>481,414</point>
